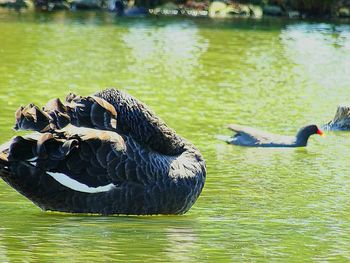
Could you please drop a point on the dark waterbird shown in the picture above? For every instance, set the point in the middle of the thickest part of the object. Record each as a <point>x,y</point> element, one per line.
<point>247,136</point>
<point>341,120</point>
<point>125,161</point>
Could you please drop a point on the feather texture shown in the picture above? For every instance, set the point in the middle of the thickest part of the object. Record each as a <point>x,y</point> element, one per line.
<point>106,153</point>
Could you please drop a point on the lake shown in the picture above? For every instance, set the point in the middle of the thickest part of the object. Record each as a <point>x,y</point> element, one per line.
<point>258,205</point>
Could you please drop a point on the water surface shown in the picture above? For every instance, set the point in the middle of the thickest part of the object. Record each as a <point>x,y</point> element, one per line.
<point>198,75</point>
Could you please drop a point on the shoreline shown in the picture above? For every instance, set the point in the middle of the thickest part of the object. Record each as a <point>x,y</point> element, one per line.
<point>216,9</point>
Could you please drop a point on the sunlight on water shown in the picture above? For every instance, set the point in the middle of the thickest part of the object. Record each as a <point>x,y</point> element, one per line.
<point>199,75</point>
<point>319,49</point>
<point>169,52</point>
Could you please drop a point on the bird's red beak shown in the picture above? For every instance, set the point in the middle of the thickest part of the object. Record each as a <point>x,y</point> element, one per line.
<point>319,132</point>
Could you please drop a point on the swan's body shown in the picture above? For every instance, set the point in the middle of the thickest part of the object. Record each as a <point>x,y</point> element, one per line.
<point>127,161</point>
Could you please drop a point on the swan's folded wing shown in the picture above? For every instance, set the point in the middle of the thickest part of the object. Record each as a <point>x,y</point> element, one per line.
<point>90,163</point>
<point>91,111</point>
<point>106,158</point>
<point>78,160</point>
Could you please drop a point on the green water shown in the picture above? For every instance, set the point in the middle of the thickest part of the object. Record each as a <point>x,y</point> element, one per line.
<point>258,205</point>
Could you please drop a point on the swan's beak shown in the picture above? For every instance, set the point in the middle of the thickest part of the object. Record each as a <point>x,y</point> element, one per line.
<point>319,132</point>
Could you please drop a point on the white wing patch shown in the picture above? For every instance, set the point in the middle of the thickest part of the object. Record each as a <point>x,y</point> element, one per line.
<point>77,186</point>
<point>5,146</point>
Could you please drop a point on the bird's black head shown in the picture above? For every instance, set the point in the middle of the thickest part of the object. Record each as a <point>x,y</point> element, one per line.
<point>305,132</point>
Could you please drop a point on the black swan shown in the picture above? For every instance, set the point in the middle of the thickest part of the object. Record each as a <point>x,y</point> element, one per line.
<point>125,161</point>
<point>246,136</point>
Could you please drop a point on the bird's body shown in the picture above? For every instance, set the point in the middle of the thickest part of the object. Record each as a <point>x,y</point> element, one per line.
<point>341,120</point>
<point>125,160</point>
<point>247,136</point>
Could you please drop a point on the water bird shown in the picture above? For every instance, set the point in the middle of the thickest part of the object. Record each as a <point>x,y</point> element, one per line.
<point>247,136</point>
<point>106,154</point>
<point>341,120</point>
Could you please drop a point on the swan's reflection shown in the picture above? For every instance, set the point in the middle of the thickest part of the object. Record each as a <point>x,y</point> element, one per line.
<point>182,244</point>
<point>67,237</point>
<point>3,252</point>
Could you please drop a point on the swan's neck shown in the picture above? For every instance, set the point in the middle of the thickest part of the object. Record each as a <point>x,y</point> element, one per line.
<point>136,120</point>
